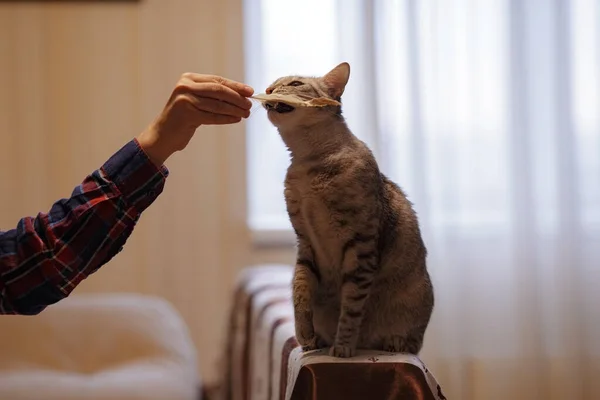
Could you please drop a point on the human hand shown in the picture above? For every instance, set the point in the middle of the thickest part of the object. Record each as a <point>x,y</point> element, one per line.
<point>196,100</point>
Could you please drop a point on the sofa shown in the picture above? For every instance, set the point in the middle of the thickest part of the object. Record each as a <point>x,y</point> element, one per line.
<point>265,362</point>
<point>99,347</point>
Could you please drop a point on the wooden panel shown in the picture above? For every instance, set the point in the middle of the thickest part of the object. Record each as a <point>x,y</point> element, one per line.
<point>79,80</point>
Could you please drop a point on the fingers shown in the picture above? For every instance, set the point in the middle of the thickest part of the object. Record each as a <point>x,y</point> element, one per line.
<point>213,100</point>
<point>218,107</point>
<point>215,91</point>
<point>208,118</point>
<point>242,89</point>
<point>211,112</point>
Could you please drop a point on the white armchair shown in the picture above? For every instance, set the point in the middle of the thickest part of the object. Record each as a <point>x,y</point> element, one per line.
<point>98,347</point>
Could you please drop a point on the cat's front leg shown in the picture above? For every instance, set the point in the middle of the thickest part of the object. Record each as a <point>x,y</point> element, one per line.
<point>359,269</point>
<point>304,285</point>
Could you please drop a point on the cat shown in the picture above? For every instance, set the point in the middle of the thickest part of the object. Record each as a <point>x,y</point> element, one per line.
<point>360,279</point>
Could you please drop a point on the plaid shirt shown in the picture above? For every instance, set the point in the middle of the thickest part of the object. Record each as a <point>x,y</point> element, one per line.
<point>46,257</point>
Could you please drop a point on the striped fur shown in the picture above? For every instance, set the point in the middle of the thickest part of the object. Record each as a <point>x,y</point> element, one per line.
<point>360,279</point>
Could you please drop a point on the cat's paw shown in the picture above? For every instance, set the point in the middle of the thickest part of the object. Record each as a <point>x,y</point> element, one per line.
<point>342,351</point>
<point>392,344</point>
<point>313,343</point>
<point>400,344</point>
<point>310,344</point>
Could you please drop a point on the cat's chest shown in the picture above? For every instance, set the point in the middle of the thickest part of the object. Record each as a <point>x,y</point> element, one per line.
<point>313,216</point>
<point>313,203</point>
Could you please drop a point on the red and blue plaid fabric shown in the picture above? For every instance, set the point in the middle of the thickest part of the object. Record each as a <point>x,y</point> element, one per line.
<point>47,256</point>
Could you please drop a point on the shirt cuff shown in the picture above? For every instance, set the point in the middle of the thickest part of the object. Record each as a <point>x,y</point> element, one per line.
<point>136,177</point>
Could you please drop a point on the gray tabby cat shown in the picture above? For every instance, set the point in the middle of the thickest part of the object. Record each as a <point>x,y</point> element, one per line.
<point>360,279</point>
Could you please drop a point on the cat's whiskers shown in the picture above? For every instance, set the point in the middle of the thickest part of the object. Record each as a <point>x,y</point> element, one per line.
<point>256,105</point>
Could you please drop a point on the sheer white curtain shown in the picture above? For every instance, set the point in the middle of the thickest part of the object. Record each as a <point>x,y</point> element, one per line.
<point>487,112</point>
<point>496,137</point>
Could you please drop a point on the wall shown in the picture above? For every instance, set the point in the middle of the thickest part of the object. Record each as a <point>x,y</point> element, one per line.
<point>79,80</point>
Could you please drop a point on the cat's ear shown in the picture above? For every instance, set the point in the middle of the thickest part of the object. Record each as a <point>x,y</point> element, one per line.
<point>336,80</point>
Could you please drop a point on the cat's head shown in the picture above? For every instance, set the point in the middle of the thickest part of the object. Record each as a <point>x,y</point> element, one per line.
<point>330,85</point>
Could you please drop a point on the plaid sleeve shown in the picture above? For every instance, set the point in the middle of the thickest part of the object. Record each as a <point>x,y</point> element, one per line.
<point>47,256</point>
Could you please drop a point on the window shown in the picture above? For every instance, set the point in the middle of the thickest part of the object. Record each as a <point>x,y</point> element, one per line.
<point>282,38</point>
<point>484,112</point>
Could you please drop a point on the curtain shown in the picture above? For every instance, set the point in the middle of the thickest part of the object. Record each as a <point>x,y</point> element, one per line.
<point>487,113</point>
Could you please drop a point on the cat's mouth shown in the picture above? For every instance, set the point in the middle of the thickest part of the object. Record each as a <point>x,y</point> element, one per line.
<point>279,107</point>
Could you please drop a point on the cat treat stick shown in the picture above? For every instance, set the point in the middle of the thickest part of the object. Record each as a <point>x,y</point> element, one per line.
<point>294,100</point>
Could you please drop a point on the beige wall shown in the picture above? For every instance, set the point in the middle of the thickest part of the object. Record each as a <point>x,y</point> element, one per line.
<point>79,80</point>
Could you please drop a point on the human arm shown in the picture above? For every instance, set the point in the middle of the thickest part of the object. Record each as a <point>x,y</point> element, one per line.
<point>45,257</point>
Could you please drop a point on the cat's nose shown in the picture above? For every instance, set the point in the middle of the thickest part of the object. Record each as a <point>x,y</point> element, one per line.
<point>269,90</point>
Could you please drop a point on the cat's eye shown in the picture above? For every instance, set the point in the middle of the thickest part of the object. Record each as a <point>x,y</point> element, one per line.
<point>295,83</point>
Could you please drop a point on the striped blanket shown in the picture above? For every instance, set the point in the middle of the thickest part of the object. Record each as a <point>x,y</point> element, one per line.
<point>265,362</point>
